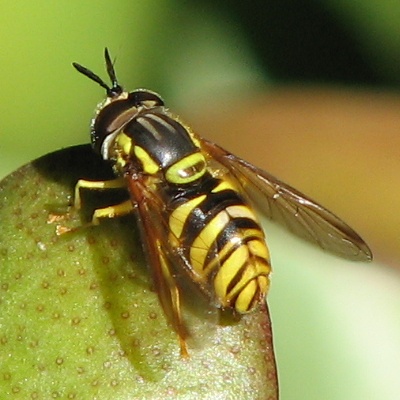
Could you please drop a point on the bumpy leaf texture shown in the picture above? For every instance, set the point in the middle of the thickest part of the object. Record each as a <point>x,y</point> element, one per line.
<point>79,318</point>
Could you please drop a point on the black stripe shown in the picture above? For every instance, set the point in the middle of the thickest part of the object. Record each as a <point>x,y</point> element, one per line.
<point>235,280</point>
<point>170,146</point>
<point>255,298</point>
<point>232,230</point>
<point>252,261</point>
<point>212,205</point>
<point>219,201</point>
<point>201,216</point>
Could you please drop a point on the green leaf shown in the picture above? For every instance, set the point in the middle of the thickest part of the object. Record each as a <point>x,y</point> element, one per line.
<point>78,317</point>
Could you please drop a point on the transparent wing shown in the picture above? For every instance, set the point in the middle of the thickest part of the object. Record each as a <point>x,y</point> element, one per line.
<point>284,204</point>
<point>175,281</point>
<point>153,232</point>
<point>154,215</point>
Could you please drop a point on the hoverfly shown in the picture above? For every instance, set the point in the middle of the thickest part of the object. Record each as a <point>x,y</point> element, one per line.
<point>192,201</point>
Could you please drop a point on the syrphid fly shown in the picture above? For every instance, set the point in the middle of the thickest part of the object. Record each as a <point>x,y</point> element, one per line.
<point>193,200</point>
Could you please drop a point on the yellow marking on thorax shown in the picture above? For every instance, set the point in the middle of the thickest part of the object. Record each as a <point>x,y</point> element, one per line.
<point>187,169</point>
<point>180,214</point>
<point>148,164</point>
<point>122,150</point>
<point>124,143</point>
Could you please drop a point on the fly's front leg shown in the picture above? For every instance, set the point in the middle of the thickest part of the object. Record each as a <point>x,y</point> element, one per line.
<point>113,211</point>
<point>117,210</point>
<point>118,183</point>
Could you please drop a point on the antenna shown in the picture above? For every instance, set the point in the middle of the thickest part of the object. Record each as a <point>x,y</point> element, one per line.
<point>115,89</point>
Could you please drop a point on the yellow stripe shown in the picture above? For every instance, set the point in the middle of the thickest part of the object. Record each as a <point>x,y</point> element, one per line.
<point>254,277</point>
<point>180,214</point>
<point>221,254</point>
<point>149,165</point>
<point>259,249</point>
<point>228,270</point>
<point>245,298</point>
<point>124,146</point>
<point>256,247</point>
<point>244,301</point>
<point>224,185</point>
<point>187,169</point>
<point>253,232</point>
<point>241,211</point>
<point>206,238</point>
<point>124,142</point>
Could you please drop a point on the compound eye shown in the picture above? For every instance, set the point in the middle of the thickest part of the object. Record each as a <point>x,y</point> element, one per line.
<point>145,98</point>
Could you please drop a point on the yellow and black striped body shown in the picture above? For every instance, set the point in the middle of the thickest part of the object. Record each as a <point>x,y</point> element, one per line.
<point>207,225</point>
<point>223,243</point>
<point>190,196</point>
<point>193,214</point>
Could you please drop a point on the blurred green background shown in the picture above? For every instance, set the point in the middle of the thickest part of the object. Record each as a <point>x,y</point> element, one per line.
<point>336,324</point>
<point>194,53</point>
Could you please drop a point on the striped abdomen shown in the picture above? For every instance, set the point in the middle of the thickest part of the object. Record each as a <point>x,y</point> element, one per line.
<point>223,243</point>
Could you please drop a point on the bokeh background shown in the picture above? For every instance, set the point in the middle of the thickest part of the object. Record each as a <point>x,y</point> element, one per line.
<point>307,89</point>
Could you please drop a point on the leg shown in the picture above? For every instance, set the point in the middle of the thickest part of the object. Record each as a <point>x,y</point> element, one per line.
<point>117,210</point>
<point>118,183</point>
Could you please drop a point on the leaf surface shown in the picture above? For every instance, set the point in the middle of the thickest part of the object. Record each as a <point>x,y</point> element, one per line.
<point>78,317</point>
